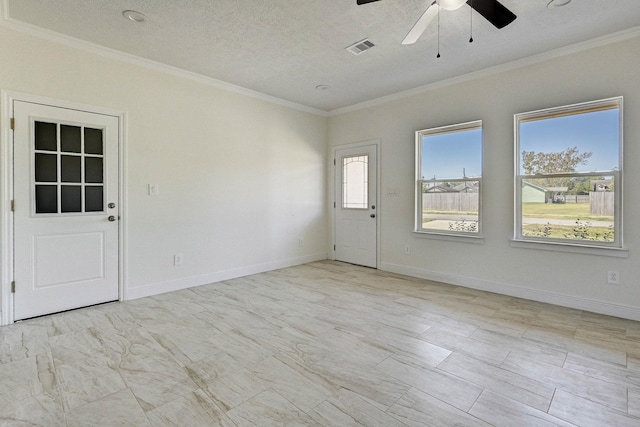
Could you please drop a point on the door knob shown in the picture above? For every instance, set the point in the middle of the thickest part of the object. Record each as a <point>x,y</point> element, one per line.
<point>372,215</point>
<point>111,218</point>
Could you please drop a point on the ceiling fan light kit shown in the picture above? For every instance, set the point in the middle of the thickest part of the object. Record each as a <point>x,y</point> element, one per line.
<point>451,4</point>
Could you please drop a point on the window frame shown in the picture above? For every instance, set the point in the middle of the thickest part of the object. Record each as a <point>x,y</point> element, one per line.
<point>419,181</point>
<point>519,176</point>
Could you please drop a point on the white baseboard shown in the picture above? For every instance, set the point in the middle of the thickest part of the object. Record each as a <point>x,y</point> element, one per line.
<point>595,306</point>
<point>189,282</point>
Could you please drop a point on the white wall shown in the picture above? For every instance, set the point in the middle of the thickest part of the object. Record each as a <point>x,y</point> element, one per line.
<point>241,179</point>
<point>572,279</point>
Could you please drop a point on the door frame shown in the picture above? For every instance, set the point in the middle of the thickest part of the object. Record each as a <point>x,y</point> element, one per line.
<point>6,191</point>
<point>333,202</point>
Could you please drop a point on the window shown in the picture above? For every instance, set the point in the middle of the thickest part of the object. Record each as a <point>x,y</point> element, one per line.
<point>355,182</point>
<point>68,169</point>
<point>568,184</point>
<point>449,179</point>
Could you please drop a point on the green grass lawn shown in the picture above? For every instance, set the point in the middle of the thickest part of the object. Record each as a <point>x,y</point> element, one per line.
<point>575,211</point>
<point>602,234</point>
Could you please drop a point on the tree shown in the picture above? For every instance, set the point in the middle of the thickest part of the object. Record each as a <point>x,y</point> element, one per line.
<point>566,161</point>
<point>581,184</point>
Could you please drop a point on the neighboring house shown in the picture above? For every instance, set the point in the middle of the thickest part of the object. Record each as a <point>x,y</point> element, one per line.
<point>532,193</point>
<point>467,187</point>
<point>600,185</point>
<point>463,187</point>
<point>441,189</point>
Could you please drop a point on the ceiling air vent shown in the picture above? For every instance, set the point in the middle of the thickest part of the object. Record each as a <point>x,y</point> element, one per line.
<point>361,46</point>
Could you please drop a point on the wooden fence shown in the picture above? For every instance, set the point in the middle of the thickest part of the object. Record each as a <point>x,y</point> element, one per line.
<point>447,202</point>
<point>576,198</point>
<point>602,203</point>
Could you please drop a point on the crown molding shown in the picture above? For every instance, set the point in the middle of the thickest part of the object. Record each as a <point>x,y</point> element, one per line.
<point>55,37</point>
<point>35,31</point>
<point>509,66</point>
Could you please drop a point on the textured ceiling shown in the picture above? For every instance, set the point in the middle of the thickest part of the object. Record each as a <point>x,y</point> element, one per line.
<point>285,48</point>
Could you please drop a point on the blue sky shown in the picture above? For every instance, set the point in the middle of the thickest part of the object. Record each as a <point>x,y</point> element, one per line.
<point>596,132</point>
<point>446,155</point>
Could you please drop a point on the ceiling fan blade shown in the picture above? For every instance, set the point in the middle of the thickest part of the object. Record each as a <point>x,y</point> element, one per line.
<point>422,24</point>
<point>359,2</point>
<point>493,11</point>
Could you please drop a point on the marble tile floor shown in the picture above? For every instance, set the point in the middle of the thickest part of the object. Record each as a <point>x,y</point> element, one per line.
<point>324,344</point>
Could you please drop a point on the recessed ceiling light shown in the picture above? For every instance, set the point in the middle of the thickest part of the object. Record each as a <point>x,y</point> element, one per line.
<point>323,87</point>
<point>134,16</point>
<point>557,3</point>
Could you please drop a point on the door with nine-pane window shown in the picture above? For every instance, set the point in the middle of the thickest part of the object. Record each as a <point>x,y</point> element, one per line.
<point>66,209</point>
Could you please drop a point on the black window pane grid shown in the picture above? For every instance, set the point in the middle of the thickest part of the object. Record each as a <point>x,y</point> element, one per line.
<point>70,139</point>
<point>68,169</point>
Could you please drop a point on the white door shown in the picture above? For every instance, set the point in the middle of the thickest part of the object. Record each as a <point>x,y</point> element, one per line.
<point>66,213</point>
<point>355,207</point>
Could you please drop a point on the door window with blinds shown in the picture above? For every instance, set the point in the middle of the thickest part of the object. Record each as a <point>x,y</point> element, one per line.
<point>568,183</point>
<point>68,172</point>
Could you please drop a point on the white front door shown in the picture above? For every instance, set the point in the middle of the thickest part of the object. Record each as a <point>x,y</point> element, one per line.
<point>66,213</point>
<point>356,212</point>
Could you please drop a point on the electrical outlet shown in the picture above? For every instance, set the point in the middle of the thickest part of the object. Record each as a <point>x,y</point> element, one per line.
<point>407,250</point>
<point>613,277</point>
<point>177,259</point>
<point>154,189</point>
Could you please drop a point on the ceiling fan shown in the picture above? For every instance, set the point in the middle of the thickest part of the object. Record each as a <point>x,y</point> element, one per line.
<point>491,10</point>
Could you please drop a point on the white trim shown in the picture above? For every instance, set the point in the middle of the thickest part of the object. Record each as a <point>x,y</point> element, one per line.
<point>6,189</point>
<point>332,192</point>
<point>587,304</point>
<point>52,36</point>
<point>6,216</point>
<point>189,282</point>
<point>123,207</point>
<point>509,66</point>
<point>572,245</point>
<point>571,248</point>
<point>448,237</point>
<point>420,135</point>
<point>61,103</point>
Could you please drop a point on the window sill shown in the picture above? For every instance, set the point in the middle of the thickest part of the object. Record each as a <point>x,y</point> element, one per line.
<point>570,248</point>
<point>477,239</point>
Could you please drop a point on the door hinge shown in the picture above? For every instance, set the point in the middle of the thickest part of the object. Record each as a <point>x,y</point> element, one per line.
<point>334,247</point>
<point>13,287</point>
<point>334,205</point>
<point>334,160</point>
<point>13,206</point>
<point>13,123</point>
